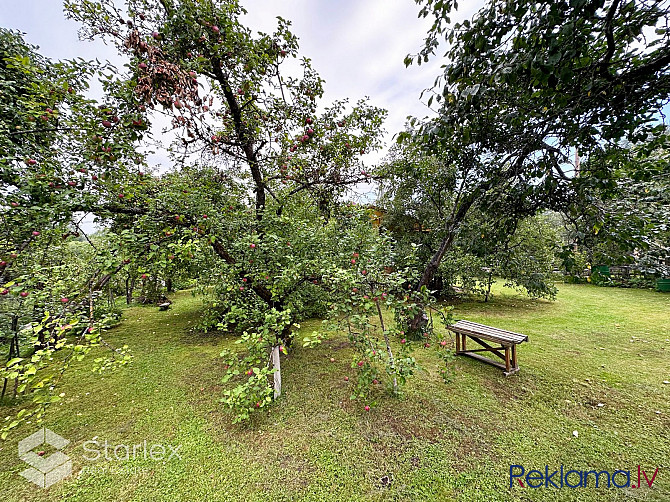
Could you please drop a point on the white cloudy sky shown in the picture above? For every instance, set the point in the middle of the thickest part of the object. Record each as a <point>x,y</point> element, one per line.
<point>357,46</point>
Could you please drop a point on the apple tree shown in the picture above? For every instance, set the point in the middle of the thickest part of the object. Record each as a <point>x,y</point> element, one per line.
<point>260,166</point>
<point>52,167</point>
<point>527,84</point>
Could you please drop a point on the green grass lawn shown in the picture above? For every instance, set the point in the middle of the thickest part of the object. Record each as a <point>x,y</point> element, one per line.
<point>595,364</point>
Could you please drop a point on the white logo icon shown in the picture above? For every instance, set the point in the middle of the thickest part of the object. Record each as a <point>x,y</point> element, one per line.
<point>45,471</point>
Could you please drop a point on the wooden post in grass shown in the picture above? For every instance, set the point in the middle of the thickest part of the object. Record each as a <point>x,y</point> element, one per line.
<point>274,358</point>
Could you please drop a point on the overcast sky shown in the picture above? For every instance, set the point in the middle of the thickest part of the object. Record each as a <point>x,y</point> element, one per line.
<point>358,47</point>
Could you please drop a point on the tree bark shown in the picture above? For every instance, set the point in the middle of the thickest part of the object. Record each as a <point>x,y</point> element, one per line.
<point>488,285</point>
<point>420,320</point>
<point>244,136</point>
<point>130,289</point>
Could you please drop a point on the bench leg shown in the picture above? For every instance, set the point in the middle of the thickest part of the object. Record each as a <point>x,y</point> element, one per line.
<point>463,343</point>
<point>507,362</point>
<point>458,343</point>
<point>515,365</point>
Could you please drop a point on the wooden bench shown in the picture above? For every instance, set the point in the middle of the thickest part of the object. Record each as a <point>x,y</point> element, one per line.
<point>508,341</point>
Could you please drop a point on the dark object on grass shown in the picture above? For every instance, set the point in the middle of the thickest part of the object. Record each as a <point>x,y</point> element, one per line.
<point>663,285</point>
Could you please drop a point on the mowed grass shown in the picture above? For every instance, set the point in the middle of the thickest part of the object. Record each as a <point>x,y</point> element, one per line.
<point>595,364</point>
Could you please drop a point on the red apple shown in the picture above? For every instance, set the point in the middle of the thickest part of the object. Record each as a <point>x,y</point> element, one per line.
<point>308,120</point>
<point>4,292</point>
<point>3,263</point>
<point>367,408</point>
<point>403,341</point>
<point>36,233</point>
<point>353,261</point>
<point>106,123</point>
<point>156,35</point>
<point>23,294</point>
<point>64,300</point>
<point>14,204</point>
<point>252,245</point>
<point>31,162</point>
<point>142,66</point>
<point>215,29</point>
<point>346,378</point>
<point>360,364</point>
<point>144,276</point>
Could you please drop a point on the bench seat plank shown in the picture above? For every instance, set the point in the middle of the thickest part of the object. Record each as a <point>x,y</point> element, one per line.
<point>501,336</point>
